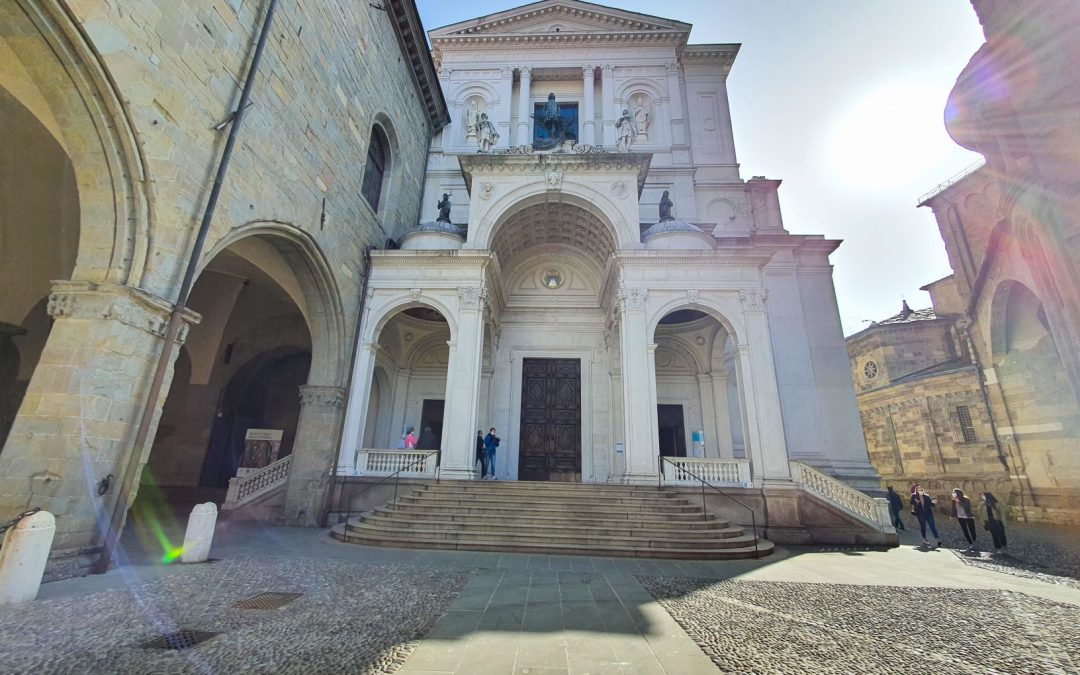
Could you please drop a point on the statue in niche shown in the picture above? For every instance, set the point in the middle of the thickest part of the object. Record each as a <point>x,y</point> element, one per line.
<point>642,116</point>
<point>626,131</point>
<point>472,119</point>
<point>486,134</point>
<point>665,207</point>
<point>444,208</point>
<point>553,123</point>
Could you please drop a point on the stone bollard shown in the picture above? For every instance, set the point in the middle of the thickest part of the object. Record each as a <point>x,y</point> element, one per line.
<point>22,559</point>
<point>200,533</point>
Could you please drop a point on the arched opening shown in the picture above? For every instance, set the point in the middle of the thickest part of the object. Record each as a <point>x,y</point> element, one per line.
<point>234,402</point>
<point>408,388</point>
<point>39,239</point>
<point>698,407</point>
<point>377,168</point>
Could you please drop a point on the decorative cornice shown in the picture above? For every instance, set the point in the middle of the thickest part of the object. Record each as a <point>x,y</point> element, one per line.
<point>410,34</point>
<point>558,40</point>
<point>568,162</point>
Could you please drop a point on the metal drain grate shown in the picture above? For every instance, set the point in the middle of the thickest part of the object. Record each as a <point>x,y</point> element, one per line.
<point>271,600</point>
<point>185,638</point>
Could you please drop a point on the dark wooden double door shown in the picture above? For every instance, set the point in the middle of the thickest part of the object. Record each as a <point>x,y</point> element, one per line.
<point>550,445</point>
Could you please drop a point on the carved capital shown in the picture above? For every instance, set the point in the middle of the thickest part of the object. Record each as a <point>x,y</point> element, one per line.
<point>507,72</point>
<point>322,397</point>
<point>588,71</point>
<point>607,69</point>
<point>115,302</point>
<point>632,299</point>
<point>525,71</point>
<point>754,299</point>
<point>473,297</point>
<point>672,68</point>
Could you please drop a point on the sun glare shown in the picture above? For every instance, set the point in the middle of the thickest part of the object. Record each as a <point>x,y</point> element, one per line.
<point>892,137</point>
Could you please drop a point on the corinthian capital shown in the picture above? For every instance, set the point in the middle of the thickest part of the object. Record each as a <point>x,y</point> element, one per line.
<point>588,71</point>
<point>632,298</point>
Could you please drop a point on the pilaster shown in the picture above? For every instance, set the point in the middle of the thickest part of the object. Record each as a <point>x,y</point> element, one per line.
<point>321,408</point>
<point>463,385</point>
<point>524,126</point>
<point>639,387</point>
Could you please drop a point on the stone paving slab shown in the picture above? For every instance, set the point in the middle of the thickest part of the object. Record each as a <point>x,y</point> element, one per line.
<point>351,618</point>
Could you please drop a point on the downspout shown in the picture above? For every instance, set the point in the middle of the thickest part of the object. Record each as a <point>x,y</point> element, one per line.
<point>325,515</point>
<point>127,481</point>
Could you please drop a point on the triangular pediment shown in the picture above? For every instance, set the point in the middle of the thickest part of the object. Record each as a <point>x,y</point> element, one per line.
<point>560,17</point>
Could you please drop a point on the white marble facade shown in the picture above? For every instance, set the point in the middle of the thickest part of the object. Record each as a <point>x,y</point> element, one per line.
<point>556,259</point>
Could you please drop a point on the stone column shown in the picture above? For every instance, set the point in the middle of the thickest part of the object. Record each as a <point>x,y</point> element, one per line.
<point>678,123</point>
<point>313,453</point>
<point>77,422</point>
<point>588,105</point>
<point>724,444</point>
<point>607,104</point>
<point>524,125</point>
<point>356,414</point>
<point>506,95</point>
<point>764,432</point>
<point>463,386</point>
<point>638,385</point>
<point>709,414</point>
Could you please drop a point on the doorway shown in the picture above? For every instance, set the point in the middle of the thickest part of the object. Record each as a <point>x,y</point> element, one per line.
<point>672,429</point>
<point>431,415</point>
<point>550,442</point>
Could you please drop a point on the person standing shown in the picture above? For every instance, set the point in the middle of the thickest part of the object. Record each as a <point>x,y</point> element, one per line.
<point>491,442</point>
<point>895,506</point>
<point>990,514</point>
<point>480,456</point>
<point>964,514</point>
<point>922,507</point>
<point>410,439</point>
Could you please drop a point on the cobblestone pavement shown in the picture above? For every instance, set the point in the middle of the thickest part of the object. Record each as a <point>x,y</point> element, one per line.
<point>351,618</point>
<point>1043,552</point>
<point>764,627</point>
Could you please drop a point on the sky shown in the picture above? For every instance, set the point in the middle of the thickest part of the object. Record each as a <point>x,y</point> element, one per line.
<point>843,101</point>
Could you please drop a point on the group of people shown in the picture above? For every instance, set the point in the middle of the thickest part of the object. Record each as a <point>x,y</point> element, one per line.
<point>988,510</point>
<point>485,453</point>
<point>427,440</point>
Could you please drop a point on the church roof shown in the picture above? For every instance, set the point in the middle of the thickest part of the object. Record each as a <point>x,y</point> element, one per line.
<point>558,22</point>
<point>908,315</point>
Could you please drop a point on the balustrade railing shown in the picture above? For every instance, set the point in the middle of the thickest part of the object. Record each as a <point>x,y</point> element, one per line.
<point>872,511</point>
<point>726,472</point>
<point>409,463</point>
<point>254,485</point>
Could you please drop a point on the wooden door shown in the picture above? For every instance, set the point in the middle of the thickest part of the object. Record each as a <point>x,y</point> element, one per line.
<point>550,442</point>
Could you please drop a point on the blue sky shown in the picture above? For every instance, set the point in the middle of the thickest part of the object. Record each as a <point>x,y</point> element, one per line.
<point>843,100</point>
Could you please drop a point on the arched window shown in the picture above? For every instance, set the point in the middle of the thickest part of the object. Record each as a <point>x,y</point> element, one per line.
<point>378,164</point>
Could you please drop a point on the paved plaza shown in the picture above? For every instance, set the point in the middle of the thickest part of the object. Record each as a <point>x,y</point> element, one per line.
<point>373,610</point>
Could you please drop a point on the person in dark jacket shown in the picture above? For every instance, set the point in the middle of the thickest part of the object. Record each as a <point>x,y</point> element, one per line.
<point>491,442</point>
<point>427,440</point>
<point>965,515</point>
<point>922,507</point>
<point>895,506</point>
<point>480,453</point>
<point>993,521</point>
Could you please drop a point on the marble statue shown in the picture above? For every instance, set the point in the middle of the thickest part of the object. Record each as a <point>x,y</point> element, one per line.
<point>472,119</point>
<point>551,119</point>
<point>642,116</point>
<point>486,135</point>
<point>624,127</point>
<point>665,207</point>
<point>444,208</point>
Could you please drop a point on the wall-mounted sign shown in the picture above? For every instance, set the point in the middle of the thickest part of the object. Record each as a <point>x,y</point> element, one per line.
<point>619,448</point>
<point>261,447</point>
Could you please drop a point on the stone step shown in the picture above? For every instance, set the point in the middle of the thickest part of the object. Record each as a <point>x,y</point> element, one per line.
<point>625,529</point>
<point>552,509</point>
<point>636,495</point>
<point>764,548</point>
<point>357,527</point>
<point>501,502</point>
<point>693,522</point>
<point>518,487</point>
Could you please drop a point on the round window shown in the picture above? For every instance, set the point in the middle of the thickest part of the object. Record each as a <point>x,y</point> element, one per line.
<point>553,279</point>
<point>870,370</point>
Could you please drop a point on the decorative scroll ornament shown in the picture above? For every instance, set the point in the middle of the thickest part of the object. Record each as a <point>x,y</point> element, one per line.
<point>632,298</point>
<point>472,297</point>
<point>586,149</point>
<point>754,300</point>
<point>520,150</point>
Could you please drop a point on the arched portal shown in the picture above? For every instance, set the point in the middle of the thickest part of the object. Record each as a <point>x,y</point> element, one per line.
<point>695,416</point>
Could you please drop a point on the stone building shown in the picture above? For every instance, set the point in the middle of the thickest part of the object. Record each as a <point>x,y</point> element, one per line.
<point>1012,234</point>
<point>923,407</point>
<point>593,277</point>
<point>113,116</point>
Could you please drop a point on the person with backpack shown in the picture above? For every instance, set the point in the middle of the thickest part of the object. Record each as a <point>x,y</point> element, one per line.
<point>965,515</point>
<point>922,507</point>
<point>491,442</point>
<point>993,521</point>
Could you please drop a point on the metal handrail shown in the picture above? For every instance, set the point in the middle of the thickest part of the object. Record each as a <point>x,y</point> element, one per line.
<point>704,508</point>
<point>397,481</point>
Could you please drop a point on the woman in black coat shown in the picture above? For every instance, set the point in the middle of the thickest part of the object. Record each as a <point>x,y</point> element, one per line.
<point>922,507</point>
<point>965,515</point>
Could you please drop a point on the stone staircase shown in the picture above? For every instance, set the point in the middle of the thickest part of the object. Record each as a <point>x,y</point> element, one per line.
<point>551,518</point>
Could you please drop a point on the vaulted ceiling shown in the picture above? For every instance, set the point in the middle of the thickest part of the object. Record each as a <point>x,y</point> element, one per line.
<point>553,223</point>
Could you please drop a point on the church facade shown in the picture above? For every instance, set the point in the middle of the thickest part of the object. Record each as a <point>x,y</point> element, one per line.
<point>591,275</point>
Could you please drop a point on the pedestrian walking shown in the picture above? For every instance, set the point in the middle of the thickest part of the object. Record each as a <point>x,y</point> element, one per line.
<point>993,521</point>
<point>965,515</point>
<point>922,507</point>
<point>895,506</point>
<point>480,457</point>
<point>491,442</point>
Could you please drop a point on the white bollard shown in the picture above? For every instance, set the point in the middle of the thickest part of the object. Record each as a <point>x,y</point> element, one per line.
<point>200,533</point>
<point>22,559</point>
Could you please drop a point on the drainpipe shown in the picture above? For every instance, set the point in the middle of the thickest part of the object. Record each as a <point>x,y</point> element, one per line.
<point>142,434</point>
<point>325,515</point>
